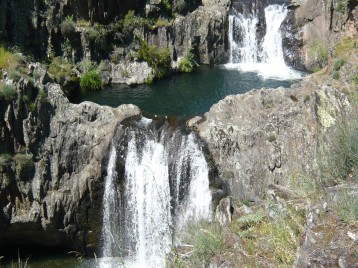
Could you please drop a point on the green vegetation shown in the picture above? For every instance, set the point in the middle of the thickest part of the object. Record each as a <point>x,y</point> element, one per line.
<point>271,137</point>
<point>5,160</point>
<point>132,21</point>
<point>8,59</point>
<point>347,205</point>
<point>158,59</point>
<point>68,26</point>
<point>319,53</point>
<point>91,81</point>
<point>306,98</point>
<point>341,6</point>
<point>337,64</point>
<point>335,75</point>
<point>188,63</point>
<point>344,47</point>
<point>61,69</point>
<point>8,92</point>
<point>205,241</point>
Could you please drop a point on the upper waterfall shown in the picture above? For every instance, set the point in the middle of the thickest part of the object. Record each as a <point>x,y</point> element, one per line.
<point>157,182</point>
<point>249,55</point>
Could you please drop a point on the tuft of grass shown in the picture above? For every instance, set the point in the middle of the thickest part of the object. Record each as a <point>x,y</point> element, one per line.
<point>271,137</point>
<point>8,92</point>
<point>68,26</point>
<point>347,206</point>
<point>306,98</point>
<point>8,60</point>
<point>91,81</point>
<point>5,160</point>
<point>335,75</point>
<point>319,52</point>
<point>158,59</point>
<point>344,47</point>
<point>188,63</point>
<point>206,241</point>
<point>337,64</point>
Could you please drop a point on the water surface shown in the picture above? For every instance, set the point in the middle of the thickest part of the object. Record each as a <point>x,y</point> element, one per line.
<point>185,95</point>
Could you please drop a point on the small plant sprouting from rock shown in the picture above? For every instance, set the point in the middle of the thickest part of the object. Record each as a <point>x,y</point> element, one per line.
<point>337,64</point>
<point>272,137</point>
<point>306,98</point>
<point>91,81</point>
<point>188,63</point>
<point>68,26</point>
<point>8,92</point>
<point>347,205</point>
<point>335,75</point>
<point>5,160</point>
<point>319,53</point>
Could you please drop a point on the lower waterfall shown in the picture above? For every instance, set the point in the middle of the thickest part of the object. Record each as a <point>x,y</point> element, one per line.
<point>164,186</point>
<point>248,55</point>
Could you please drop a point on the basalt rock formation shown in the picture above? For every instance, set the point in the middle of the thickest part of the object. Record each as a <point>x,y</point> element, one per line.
<point>50,182</point>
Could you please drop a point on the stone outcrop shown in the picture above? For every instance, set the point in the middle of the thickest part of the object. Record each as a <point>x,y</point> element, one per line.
<point>270,136</point>
<point>50,194</point>
<point>203,30</point>
<point>312,28</point>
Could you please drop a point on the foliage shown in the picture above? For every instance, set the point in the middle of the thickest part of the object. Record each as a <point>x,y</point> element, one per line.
<point>306,98</point>
<point>68,26</point>
<point>42,95</point>
<point>61,68</point>
<point>319,52</point>
<point>5,160</point>
<point>188,63</point>
<point>8,60</point>
<point>347,205</point>
<point>8,92</point>
<point>345,46</point>
<point>132,21</point>
<point>341,161</point>
<point>341,6</point>
<point>158,59</point>
<point>206,239</point>
<point>25,166</point>
<point>355,78</point>
<point>337,64</point>
<point>86,66</point>
<point>167,5</point>
<point>335,75</point>
<point>91,81</point>
<point>83,23</point>
<point>271,137</point>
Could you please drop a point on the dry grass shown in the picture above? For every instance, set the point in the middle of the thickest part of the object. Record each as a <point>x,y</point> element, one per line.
<point>8,60</point>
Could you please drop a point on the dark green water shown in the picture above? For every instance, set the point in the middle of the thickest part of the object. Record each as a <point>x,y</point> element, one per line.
<point>184,95</point>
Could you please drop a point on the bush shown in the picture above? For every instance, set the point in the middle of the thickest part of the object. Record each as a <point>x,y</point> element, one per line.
<point>91,81</point>
<point>68,26</point>
<point>5,160</point>
<point>347,205</point>
<point>158,59</point>
<point>335,75</point>
<point>8,60</point>
<point>8,92</point>
<point>271,137</point>
<point>24,165</point>
<point>319,52</point>
<point>306,98</point>
<point>61,68</point>
<point>337,64</point>
<point>341,6</point>
<point>86,66</point>
<point>187,64</point>
<point>132,21</point>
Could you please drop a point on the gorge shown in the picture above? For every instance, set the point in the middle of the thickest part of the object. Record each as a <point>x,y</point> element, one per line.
<point>205,169</point>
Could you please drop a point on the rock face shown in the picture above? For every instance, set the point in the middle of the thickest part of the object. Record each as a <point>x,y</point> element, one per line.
<point>269,136</point>
<point>312,28</point>
<point>204,31</point>
<point>54,198</point>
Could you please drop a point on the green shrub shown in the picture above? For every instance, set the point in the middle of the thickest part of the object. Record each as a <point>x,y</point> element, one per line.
<point>188,63</point>
<point>347,205</point>
<point>306,98</point>
<point>5,160</point>
<point>271,137</point>
<point>86,66</point>
<point>8,92</point>
<point>207,241</point>
<point>132,21</point>
<point>8,60</point>
<point>24,165</point>
<point>15,75</point>
<point>68,26</point>
<point>36,75</point>
<point>341,161</point>
<point>167,5</point>
<point>335,75</point>
<point>158,59</point>
<point>344,47</point>
<point>341,6</point>
<point>337,64</point>
<point>42,95</point>
<point>91,81</point>
<point>319,52</point>
<point>61,69</point>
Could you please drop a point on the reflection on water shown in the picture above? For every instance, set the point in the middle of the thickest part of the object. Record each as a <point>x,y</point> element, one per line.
<point>185,95</point>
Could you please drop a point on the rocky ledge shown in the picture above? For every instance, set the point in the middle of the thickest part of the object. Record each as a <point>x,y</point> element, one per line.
<point>51,193</point>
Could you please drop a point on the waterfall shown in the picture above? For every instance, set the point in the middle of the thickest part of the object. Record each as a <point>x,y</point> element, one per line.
<point>247,55</point>
<point>165,185</point>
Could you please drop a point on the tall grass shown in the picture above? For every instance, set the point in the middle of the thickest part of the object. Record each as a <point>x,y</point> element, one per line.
<point>8,60</point>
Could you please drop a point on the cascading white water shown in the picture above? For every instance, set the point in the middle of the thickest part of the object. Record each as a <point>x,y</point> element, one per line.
<point>165,186</point>
<point>245,56</point>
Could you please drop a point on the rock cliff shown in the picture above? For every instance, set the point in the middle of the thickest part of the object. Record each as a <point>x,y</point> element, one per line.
<point>50,183</point>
